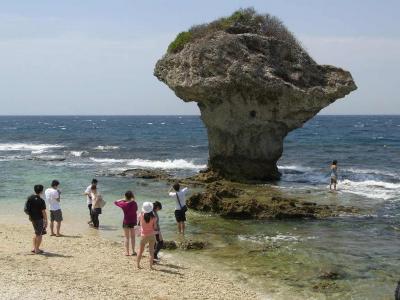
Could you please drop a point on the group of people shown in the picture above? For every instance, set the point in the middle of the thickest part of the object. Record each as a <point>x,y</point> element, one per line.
<point>145,223</point>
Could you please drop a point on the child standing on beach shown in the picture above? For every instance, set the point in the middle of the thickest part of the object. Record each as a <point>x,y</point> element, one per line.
<point>334,175</point>
<point>129,207</point>
<point>147,222</point>
<point>159,239</point>
<point>180,207</point>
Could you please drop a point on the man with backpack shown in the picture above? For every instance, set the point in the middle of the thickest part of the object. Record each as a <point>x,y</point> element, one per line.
<point>179,193</point>
<point>35,207</point>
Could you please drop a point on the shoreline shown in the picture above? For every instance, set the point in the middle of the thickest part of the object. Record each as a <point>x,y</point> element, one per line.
<point>80,266</point>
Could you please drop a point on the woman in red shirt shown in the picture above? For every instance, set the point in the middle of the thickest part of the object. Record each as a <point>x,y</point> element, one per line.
<point>129,207</point>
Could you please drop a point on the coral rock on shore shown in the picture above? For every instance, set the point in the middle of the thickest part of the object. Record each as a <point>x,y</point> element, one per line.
<point>184,245</point>
<point>253,83</point>
<point>244,201</point>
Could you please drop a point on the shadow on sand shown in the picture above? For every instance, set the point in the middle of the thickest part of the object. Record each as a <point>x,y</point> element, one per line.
<point>173,272</point>
<point>70,236</point>
<point>51,254</point>
<point>172,266</point>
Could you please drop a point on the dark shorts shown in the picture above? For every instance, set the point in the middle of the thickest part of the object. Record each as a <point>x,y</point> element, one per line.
<point>333,179</point>
<point>38,227</point>
<point>180,215</point>
<point>131,225</point>
<point>56,215</point>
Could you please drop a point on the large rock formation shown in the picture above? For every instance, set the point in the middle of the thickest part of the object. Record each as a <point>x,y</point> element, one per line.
<point>253,83</point>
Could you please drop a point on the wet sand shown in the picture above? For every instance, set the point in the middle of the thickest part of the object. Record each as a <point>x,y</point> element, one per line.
<point>81,266</point>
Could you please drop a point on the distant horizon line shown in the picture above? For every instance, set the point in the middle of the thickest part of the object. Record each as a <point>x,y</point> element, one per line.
<point>167,115</point>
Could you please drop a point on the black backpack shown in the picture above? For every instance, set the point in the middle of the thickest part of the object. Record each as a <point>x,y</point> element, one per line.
<point>27,207</point>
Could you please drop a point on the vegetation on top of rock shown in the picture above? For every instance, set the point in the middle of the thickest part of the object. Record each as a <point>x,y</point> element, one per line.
<point>241,21</point>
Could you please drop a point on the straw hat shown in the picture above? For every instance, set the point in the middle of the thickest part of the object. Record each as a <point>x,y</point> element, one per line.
<point>147,207</point>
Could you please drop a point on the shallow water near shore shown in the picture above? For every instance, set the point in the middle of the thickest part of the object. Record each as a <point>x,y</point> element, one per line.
<point>281,257</point>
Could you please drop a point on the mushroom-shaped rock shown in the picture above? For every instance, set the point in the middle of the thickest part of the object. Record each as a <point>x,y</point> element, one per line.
<point>253,83</point>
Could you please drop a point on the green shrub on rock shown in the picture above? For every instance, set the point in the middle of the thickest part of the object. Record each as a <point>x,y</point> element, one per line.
<point>241,21</point>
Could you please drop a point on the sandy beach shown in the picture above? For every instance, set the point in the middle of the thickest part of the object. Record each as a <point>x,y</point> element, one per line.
<point>79,266</point>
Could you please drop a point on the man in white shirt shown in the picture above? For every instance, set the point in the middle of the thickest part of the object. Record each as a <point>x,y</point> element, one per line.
<point>180,205</point>
<point>53,199</point>
<point>89,199</point>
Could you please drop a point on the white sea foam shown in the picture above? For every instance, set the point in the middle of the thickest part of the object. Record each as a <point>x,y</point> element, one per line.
<point>39,151</point>
<point>77,153</point>
<point>108,160</point>
<point>294,168</point>
<point>278,238</point>
<point>370,172</point>
<point>371,188</point>
<point>106,147</point>
<point>27,147</point>
<point>167,164</point>
<point>283,238</point>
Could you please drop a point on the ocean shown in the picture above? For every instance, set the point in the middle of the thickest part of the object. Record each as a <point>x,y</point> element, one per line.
<point>279,257</point>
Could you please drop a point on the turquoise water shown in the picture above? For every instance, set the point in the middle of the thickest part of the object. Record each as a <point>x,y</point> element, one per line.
<point>281,258</point>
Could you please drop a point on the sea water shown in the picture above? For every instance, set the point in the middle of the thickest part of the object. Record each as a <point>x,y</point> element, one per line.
<point>283,258</point>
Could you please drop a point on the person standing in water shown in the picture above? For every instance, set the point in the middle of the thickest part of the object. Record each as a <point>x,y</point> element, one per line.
<point>97,205</point>
<point>89,199</point>
<point>180,205</point>
<point>129,207</point>
<point>334,175</point>
<point>53,197</point>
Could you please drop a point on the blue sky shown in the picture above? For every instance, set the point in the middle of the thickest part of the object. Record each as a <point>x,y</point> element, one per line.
<point>97,57</point>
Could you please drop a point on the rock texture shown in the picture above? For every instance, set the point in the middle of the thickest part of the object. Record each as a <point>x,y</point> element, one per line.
<point>252,90</point>
<point>234,200</point>
<point>184,245</point>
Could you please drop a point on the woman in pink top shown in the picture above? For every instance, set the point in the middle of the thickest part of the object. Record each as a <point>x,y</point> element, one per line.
<point>147,222</point>
<point>129,208</point>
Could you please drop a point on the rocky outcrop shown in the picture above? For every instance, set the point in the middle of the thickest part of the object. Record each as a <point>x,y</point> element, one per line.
<point>243,201</point>
<point>145,174</point>
<point>253,84</point>
<point>153,174</point>
<point>184,245</point>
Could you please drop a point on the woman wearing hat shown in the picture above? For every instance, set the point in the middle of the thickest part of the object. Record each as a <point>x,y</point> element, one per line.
<point>147,222</point>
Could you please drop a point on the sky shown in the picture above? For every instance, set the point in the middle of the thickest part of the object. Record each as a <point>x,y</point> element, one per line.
<point>95,57</point>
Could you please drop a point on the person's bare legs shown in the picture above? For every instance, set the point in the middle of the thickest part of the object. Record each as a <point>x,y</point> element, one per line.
<point>132,235</point>
<point>52,228</point>
<point>37,240</point>
<point>34,243</point>
<point>181,227</point>
<point>139,257</point>
<point>126,234</point>
<point>58,227</point>
<point>151,251</point>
